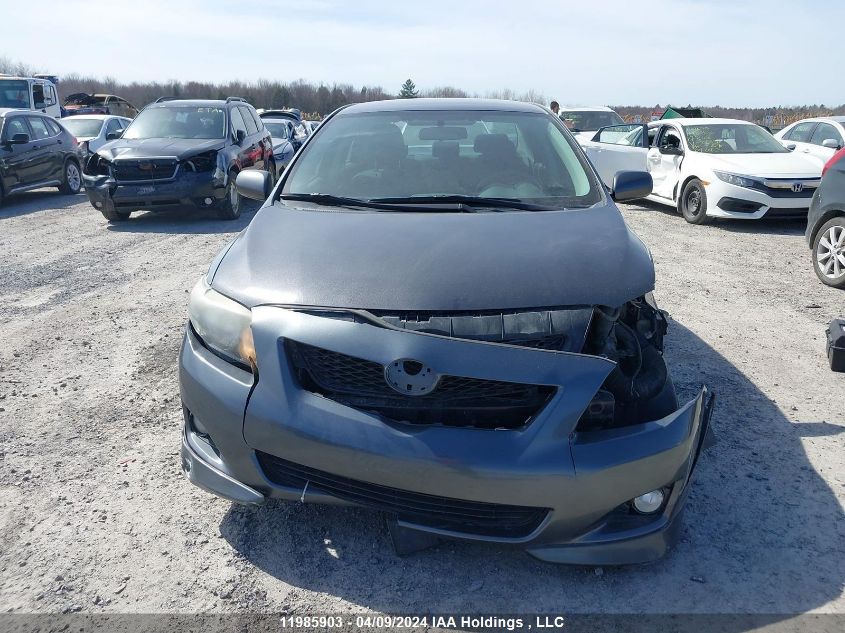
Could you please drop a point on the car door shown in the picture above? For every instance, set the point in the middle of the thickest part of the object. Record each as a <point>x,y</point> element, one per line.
<point>46,156</point>
<point>256,148</point>
<point>816,149</point>
<point>618,148</point>
<point>664,160</point>
<point>263,140</point>
<point>16,170</point>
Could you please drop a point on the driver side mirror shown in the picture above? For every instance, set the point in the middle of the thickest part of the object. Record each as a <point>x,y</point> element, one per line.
<point>240,135</point>
<point>790,146</point>
<point>831,143</point>
<point>21,138</point>
<point>631,185</point>
<point>670,150</point>
<point>114,135</point>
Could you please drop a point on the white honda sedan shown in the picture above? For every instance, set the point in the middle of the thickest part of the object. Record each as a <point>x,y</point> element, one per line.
<point>710,168</point>
<point>818,138</point>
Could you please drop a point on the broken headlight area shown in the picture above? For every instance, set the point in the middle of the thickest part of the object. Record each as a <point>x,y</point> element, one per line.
<point>96,165</point>
<point>639,389</point>
<point>201,163</point>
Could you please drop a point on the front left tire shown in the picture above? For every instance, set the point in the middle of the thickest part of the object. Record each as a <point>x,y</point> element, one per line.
<point>229,208</point>
<point>71,178</point>
<point>693,202</point>
<point>829,253</point>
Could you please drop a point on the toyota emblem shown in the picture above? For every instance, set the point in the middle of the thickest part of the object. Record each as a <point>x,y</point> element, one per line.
<point>410,377</point>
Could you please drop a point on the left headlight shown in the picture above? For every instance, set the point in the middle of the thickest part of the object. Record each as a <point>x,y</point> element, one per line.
<point>222,324</point>
<point>736,179</point>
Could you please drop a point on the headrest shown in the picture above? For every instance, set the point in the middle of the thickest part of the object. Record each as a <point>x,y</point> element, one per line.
<point>380,143</point>
<point>494,144</point>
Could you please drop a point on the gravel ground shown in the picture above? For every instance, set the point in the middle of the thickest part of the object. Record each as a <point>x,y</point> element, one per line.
<point>95,515</point>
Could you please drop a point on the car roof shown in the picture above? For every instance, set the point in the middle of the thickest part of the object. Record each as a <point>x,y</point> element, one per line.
<point>101,117</point>
<point>5,111</point>
<point>207,103</point>
<point>683,122</point>
<point>835,119</point>
<point>587,109</point>
<point>410,105</point>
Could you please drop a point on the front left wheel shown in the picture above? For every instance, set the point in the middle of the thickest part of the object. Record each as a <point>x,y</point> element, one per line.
<point>71,178</point>
<point>693,203</point>
<point>229,208</point>
<point>829,253</point>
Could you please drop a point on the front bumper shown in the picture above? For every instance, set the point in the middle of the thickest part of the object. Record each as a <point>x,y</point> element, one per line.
<point>725,200</point>
<point>201,190</point>
<point>585,480</point>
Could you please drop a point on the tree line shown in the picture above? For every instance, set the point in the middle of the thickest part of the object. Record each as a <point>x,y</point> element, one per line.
<point>320,99</point>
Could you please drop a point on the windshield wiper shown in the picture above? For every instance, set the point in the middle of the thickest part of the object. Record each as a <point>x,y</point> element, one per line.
<point>463,201</point>
<point>330,200</point>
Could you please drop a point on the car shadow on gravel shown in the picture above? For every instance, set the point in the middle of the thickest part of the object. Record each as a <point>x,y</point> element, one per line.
<point>185,221</point>
<point>762,533</point>
<point>39,200</point>
<point>763,226</point>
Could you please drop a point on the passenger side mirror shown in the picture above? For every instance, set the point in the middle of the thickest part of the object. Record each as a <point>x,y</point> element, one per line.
<point>831,143</point>
<point>253,184</point>
<point>20,138</point>
<point>240,135</point>
<point>630,185</point>
<point>790,146</point>
<point>670,150</point>
<point>114,135</point>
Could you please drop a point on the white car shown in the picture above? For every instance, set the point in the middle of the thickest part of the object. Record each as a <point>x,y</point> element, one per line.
<point>92,130</point>
<point>817,138</point>
<point>584,122</point>
<point>710,168</point>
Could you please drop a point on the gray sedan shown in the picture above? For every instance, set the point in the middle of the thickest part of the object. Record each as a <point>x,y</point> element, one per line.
<point>440,314</point>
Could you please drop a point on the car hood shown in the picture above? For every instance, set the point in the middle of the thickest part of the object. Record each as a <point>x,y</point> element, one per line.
<point>435,261</point>
<point>779,165</point>
<point>150,147</point>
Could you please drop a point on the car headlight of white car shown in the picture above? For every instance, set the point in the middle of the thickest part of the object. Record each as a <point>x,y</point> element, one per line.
<point>736,179</point>
<point>222,324</point>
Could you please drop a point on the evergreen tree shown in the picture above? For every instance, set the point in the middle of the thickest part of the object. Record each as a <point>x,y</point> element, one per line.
<point>409,90</point>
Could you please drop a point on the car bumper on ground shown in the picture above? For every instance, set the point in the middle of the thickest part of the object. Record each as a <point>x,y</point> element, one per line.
<point>561,495</point>
<point>725,200</point>
<point>201,190</point>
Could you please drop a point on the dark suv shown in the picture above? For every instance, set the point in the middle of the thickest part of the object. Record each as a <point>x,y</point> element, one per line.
<point>36,151</point>
<point>179,153</point>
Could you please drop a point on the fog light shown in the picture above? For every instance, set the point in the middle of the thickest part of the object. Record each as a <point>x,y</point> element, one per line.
<point>208,201</point>
<point>649,502</point>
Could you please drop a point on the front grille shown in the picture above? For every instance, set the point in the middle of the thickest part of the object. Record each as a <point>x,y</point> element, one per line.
<point>785,190</point>
<point>456,401</point>
<point>128,170</point>
<point>445,513</point>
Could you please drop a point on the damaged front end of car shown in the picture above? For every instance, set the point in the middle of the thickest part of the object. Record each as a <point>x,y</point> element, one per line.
<point>557,430</point>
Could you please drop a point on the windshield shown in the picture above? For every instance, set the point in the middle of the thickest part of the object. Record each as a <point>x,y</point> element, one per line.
<point>582,120</point>
<point>276,129</point>
<point>178,122</point>
<point>732,138</point>
<point>14,93</point>
<point>83,128</point>
<point>517,156</point>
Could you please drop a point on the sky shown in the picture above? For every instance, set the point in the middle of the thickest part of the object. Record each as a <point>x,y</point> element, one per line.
<point>591,52</point>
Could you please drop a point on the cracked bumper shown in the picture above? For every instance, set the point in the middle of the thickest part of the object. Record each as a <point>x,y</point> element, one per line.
<point>188,189</point>
<point>584,479</point>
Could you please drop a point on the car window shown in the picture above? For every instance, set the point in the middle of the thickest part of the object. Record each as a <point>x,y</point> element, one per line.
<point>237,121</point>
<point>14,125</point>
<point>39,127</point>
<point>54,127</point>
<point>173,121</point>
<point>38,95</point>
<point>251,128</point>
<point>14,93</point>
<point>114,125</point>
<point>802,132</point>
<point>630,134</point>
<point>669,137</point>
<point>520,155</point>
<point>729,138</point>
<point>258,122</point>
<point>277,129</point>
<point>825,131</point>
<point>83,128</point>
<point>579,120</point>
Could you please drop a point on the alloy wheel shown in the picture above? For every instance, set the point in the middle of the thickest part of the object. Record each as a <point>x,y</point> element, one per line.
<point>830,253</point>
<point>72,177</point>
